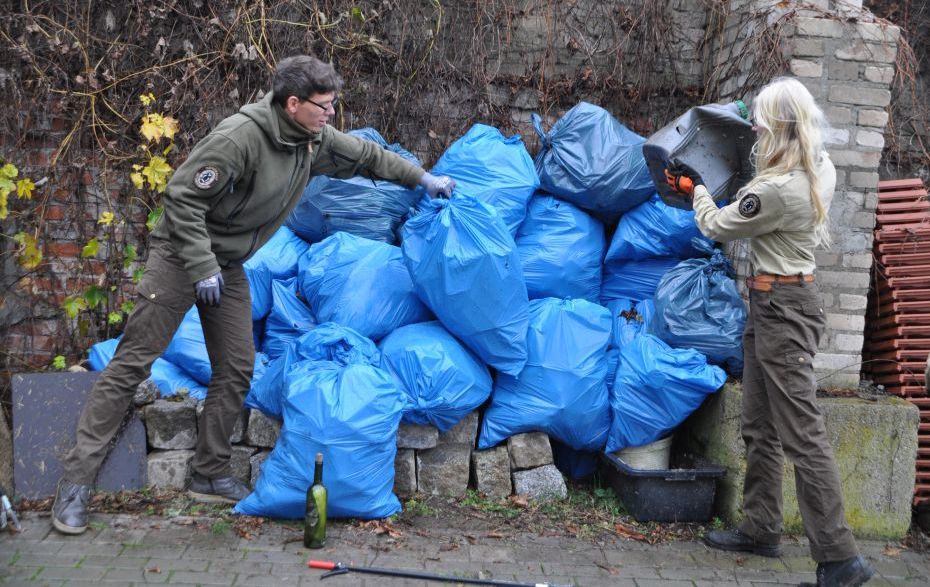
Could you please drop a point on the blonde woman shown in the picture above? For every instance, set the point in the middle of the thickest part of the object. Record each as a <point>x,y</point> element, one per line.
<point>783,211</point>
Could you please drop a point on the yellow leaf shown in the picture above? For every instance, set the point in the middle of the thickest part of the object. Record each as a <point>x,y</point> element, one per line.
<point>24,188</point>
<point>105,219</point>
<point>152,127</point>
<point>3,211</point>
<point>9,171</point>
<point>137,179</point>
<point>157,172</point>
<point>28,254</point>
<point>147,99</point>
<point>169,127</point>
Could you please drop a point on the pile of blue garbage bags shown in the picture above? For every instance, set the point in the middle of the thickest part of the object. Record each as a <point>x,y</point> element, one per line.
<point>556,294</point>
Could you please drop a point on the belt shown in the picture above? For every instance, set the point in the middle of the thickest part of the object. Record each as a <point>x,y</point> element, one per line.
<point>764,281</point>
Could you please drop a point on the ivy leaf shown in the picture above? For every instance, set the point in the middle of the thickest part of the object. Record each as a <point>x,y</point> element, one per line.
<point>94,296</point>
<point>137,180</point>
<point>129,255</point>
<point>114,318</point>
<point>137,274</point>
<point>147,99</point>
<point>73,305</point>
<point>105,219</point>
<point>4,212</point>
<point>157,172</point>
<point>153,217</point>
<point>8,171</point>
<point>127,307</point>
<point>59,362</point>
<point>28,255</point>
<point>24,188</point>
<point>91,248</point>
<point>151,127</point>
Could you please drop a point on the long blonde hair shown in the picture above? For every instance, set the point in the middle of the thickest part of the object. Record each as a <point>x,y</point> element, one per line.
<point>790,137</point>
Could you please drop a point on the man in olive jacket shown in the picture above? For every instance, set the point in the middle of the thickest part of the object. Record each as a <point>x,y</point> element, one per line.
<point>222,204</point>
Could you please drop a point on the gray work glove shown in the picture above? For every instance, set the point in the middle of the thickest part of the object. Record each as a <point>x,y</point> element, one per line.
<point>438,185</point>
<point>208,290</point>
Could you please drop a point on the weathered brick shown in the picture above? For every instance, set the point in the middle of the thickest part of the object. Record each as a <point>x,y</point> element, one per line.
<point>847,322</point>
<point>839,115</point>
<point>844,278</point>
<point>860,261</point>
<point>863,179</point>
<point>837,362</point>
<point>807,48</point>
<point>853,94</point>
<point>853,302</point>
<point>870,138</point>
<point>863,220</point>
<point>844,70</point>
<point>882,75</point>
<point>825,259</point>
<point>855,198</point>
<point>836,136</point>
<point>849,342</point>
<point>819,27</point>
<point>877,118</point>
<point>878,33</point>
<point>856,159</point>
<point>867,53</point>
<point>405,472</point>
<point>804,68</point>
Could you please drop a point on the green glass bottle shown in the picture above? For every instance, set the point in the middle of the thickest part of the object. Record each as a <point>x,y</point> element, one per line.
<point>315,516</point>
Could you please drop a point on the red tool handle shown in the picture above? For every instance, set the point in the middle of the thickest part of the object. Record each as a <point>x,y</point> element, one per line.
<point>327,565</point>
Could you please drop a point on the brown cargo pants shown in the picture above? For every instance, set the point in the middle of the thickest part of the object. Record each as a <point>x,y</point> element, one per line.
<point>780,417</point>
<point>165,295</point>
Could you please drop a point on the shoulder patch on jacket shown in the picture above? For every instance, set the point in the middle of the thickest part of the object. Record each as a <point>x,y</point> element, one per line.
<point>749,205</point>
<point>206,177</point>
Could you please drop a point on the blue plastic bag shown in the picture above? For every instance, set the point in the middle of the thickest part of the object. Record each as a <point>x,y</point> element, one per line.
<point>327,342</point>
<point>443,381</point>
<point>168,377</point>
<point>495,169</point>
<point>290,317</point>
<point>277,259</point>
<point>655,389</point>
<point>466,268</point>
<point>563,388</point>
<point>699,307</point>
<point>351,415</point>
<point>188,349</point>
<point>630,319</point>
<point>362,284</point>
<point>561,248</point>
<point>574,464</point>
<point>654,229</point>
<point>636,280</point>
<point>368,208</point>
<point>594,162</point>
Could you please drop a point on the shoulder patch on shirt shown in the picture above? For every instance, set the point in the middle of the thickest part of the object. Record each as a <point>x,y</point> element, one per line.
<point>749,205</point>
<point>206,177</point>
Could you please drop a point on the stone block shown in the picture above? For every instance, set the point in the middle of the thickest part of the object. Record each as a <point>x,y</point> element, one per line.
<point>870,138</point>
<point>465,432</point>
<point>860,261</point>
<point>240,461</point>
<point>877,118</point>
<point>854,94</point>
<point>879,75</point>
<point>819,27</point>
<point>860,159</point>
<point>849,342</point>
<point>529,450</point>
<point>875,445</point>
<point>839,115</point>
<point>867,53</point>
<point>238,429</point>
<point>848,322</point>
<point>255,465</point>
<point>851,302</point>
<point>261,430</point>
<point>844,70</point>
<point>807,47</point>
<point>863,179</point>
<point>836,136</point>
<point>171,425</point>
<point>405,472</point>
<point>542,483</point>
<point>873,32</point>
<point>804,68</point>
<point>169,469</point>
<point>491,471</point>
<point>843,278</point>
<point>417,436</point>
<point>443,470</point>
<point>146,393</point>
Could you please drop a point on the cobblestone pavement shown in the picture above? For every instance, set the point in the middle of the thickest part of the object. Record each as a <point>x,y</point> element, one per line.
<point>135,550</point>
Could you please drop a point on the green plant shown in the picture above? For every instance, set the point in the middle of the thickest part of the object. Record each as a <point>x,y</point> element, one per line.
<point>220,527</point>
<point>414,507</point>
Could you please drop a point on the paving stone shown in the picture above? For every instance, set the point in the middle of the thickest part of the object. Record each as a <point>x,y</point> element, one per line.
<point>255,466</point>
<point>529,450</point>
<point>443,470</point>
<point>491,471</point>
<point>170,468</point>
<point>541,483</point>
<point>465,432</point>
<point>170,424</point>
<point>405,472</point>
<point>262,430</point>
<point>146,393</point>
<point>85,573</point>
<point>417,436</point>
<point>240,461</point>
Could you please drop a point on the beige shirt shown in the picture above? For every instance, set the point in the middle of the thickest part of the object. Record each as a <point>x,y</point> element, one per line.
<point>777,215</point>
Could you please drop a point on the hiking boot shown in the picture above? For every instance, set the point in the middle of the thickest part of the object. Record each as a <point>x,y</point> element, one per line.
<point>217,490</point>
<point>848,573</point>
<point>69,512</point>
<point>736,541</point>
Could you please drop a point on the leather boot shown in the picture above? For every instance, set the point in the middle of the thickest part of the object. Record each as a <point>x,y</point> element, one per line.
<point>736,541</point>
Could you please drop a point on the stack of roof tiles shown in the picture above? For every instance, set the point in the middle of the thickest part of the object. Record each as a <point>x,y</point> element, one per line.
<point>897,338</point>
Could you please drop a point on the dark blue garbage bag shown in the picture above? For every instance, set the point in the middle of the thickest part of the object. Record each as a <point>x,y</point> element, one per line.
<point>443,381</point>
<point>466,268</point>
<point>168,377</point>
<point>655,389</point>
<point>594,162</point>
<point>327,342</point>
<point>562,391</point>
<point>362,284</point>
<point>574,464</point>
<point>561,248</point>
<point>350,413</point>
<point>277,259</point>
<point>636,280</point>
<point>290,317</point>
<point>699,307</point>
<point>496,169</point>
<point>654,229</point>
<point>630,319</point>
<point>369,208</point>
<point>188,348</point>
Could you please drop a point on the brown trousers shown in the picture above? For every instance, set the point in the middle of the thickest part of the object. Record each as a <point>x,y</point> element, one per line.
<point>780,417</point>
<point>165,295</point>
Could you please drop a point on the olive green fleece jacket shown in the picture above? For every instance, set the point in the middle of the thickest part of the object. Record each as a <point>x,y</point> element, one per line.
<point>241,181</point>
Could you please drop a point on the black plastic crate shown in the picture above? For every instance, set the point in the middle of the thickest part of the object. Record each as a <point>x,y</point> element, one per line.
<point>683,494</point>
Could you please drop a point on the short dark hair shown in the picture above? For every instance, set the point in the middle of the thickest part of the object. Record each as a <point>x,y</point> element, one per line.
<point>303,76</point>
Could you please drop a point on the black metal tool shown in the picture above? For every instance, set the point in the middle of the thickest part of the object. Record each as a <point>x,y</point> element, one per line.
<point>335,568</point>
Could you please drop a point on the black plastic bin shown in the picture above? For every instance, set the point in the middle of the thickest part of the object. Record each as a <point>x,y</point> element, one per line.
<point>665,495</point>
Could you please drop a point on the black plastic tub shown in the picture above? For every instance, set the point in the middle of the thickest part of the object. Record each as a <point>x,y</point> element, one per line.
<point>665,495</point>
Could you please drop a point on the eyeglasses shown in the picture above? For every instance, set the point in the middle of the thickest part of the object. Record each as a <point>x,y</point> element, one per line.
<point>324,107</point>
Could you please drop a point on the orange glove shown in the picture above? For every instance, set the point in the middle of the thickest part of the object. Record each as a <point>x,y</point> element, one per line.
<point>682,177</point>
